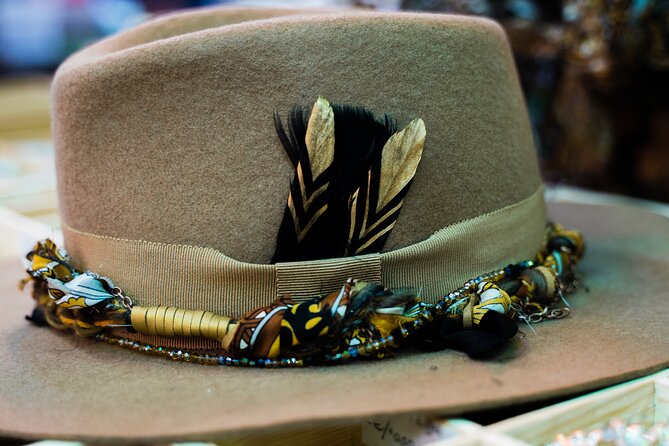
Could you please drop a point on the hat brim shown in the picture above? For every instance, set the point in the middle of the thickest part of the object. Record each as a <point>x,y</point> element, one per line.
<point>56,385</point>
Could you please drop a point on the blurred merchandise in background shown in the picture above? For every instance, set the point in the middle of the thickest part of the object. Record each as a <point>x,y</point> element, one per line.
<point>39,34</point>
<point>596,79</point>
<point>595,74</point>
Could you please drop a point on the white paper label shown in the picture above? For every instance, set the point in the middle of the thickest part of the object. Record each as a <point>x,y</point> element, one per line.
<point>414,430</point>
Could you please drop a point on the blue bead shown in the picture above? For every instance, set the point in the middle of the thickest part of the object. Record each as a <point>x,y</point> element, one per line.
<point>221,360</point>
<point>235,362</point>
<point>228,360</point>
<point>353,352</point>
<point>261,363</point>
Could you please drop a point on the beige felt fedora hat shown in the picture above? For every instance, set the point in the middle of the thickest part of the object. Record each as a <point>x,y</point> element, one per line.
<point>176,152</point>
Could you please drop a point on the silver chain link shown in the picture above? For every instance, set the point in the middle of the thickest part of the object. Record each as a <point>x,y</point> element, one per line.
<point>125,300</point>
<point>549,313</point>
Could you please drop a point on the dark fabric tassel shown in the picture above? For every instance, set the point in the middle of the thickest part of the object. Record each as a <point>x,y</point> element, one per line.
<point>38,317</point>
<point>480,341</point>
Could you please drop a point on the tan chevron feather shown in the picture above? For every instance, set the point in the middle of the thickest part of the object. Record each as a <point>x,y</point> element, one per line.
<point>399,160</point>
<point>319,140</point>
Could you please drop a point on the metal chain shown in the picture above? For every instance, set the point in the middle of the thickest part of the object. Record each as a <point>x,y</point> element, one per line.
<point>125,300</point>
<point>549,313</point>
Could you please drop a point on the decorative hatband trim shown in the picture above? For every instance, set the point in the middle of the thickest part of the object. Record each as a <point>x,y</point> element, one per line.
<point>359,320</point>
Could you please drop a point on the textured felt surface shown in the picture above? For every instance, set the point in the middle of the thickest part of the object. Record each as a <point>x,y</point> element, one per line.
<point>171,139</point>
<point>57,385</point>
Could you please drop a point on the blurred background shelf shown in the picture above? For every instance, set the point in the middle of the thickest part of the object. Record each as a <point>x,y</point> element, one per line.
<point>24,108</point>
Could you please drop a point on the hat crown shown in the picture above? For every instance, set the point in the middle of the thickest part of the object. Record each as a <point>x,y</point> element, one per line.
<point>170,138</point>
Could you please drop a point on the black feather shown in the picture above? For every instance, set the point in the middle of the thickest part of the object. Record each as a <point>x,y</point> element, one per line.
<point>359,140</point>
<point>293,142</point>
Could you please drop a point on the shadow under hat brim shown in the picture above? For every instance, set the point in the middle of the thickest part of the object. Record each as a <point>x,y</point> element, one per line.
<point>56,385</point>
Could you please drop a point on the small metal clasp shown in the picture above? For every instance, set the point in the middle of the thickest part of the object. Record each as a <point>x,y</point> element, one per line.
<point>537,317</point>
<point>548,313</point>
<point>125,300</point>
<point>558,313</point>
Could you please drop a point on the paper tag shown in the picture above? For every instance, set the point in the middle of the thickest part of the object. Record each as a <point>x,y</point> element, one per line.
<point>414,430</point>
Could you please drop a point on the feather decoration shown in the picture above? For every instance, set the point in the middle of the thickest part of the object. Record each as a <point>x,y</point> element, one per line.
<point>311,150</point>
<point>375,207</point>
<point>69,299</point>
<point>332,154</point>
<point>324,323</point>
<point>293,141</point>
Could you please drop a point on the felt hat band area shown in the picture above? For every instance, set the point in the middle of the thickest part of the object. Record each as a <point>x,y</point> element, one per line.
<point>192,277</point>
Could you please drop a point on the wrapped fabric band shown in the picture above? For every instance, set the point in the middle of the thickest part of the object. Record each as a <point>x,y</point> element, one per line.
<point>172,321</point>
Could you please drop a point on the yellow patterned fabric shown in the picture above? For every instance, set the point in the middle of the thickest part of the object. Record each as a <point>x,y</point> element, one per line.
<point>356,312</point>
<point>491,298</point>
<point>66,298</point>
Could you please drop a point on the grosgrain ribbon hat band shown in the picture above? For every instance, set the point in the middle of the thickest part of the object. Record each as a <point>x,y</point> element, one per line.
<point>195,277</point>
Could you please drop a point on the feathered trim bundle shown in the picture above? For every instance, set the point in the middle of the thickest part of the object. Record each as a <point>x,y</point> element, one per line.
<point>70,299</point>
<point>324,324</point>
<point>352,173</point>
